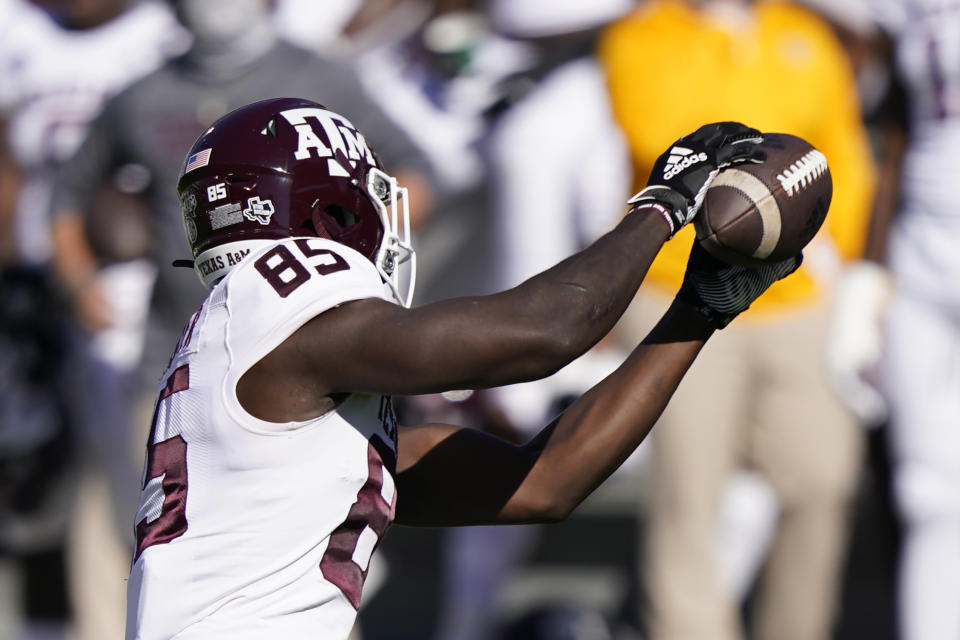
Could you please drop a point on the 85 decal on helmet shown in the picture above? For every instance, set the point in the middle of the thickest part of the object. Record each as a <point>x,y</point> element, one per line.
<point>288,167</point>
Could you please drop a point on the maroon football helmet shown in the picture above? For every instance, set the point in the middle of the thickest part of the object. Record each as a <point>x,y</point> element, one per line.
<point>285,168</point>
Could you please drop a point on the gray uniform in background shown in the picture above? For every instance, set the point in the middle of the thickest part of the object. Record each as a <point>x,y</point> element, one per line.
<point>153,124</point>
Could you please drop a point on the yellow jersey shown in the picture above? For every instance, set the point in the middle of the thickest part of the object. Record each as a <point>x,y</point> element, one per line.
<point>779,68</point>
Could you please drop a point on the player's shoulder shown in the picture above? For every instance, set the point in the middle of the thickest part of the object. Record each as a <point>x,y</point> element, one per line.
<point>126,107</point>
<point>306,272</point>
<point>22,25</point>
<point>281,285</point>
<point>161,43</point>
<point>154,87</point>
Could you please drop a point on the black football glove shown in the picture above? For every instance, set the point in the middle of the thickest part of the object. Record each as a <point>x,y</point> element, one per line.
<point>681,175</point>
<point>721,291</point>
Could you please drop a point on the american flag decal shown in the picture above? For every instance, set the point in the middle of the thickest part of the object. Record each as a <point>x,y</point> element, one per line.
<point>197,160</point>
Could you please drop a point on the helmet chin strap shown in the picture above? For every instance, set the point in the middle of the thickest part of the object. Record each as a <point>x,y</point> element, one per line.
<point>318,227</point>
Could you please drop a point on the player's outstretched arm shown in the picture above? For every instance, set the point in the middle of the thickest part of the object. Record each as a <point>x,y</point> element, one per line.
<point>371,345</point>
<point>524,333</point>
<point>520,334</point>
<point>450,476</point>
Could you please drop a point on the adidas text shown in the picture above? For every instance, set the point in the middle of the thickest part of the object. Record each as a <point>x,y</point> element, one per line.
<point>679,161</point>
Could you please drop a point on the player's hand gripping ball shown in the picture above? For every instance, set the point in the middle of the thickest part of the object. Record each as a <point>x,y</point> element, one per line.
<point>759,213</point>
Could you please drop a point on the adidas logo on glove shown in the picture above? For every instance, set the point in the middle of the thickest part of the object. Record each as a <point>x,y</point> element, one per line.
<point>681,158</point>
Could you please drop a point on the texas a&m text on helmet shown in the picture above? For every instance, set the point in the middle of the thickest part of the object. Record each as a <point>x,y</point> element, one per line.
<point>289,167</point>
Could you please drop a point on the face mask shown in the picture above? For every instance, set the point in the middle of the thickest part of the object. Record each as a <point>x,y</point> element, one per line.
<point>221,20</point>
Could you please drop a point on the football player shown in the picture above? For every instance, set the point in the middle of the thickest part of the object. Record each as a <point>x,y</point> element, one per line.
<point>896,341</point>
<point>60,61</point>
<point>275,465</point>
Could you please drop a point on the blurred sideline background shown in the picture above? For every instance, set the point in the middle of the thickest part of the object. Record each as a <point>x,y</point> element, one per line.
<point>514,125</point>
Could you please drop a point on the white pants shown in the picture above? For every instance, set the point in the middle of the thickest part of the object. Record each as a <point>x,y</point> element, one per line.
<point>921,372</point>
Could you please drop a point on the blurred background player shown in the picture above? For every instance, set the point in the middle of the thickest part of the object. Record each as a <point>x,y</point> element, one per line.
<point>495,80</point>
<point>558,173</point>
<point>897,332</point>
<point>59,61</point>
<point>444,65</point>
<point>235,56</point>
<point>230,62</point>
<point>757,399</point>
<point>456,83</point>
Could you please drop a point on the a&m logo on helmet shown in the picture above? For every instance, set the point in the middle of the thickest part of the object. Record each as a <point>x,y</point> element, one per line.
<point>345,142</point>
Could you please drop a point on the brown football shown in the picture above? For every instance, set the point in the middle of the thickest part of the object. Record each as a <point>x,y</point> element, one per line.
<point>758,213</point>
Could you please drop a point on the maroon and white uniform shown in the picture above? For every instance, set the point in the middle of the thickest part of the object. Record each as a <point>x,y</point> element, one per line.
<point>247,528</point>
<point>55,81</point>
<point>919,367</point>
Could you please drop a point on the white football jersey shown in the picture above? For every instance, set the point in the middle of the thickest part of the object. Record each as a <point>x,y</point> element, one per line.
<point>249,529</point>
<point>55,81</point>
<point>928,59</point>
<point>923,243</point>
